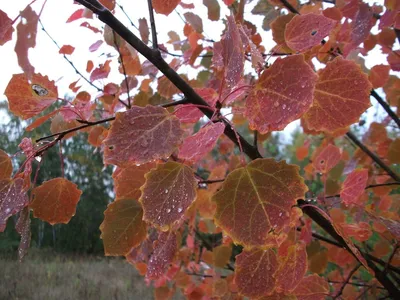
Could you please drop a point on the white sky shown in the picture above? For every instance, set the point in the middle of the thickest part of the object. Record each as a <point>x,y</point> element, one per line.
<point>46,60</point>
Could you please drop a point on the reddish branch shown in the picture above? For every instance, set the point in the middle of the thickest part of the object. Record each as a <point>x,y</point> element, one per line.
<point>339,293</point>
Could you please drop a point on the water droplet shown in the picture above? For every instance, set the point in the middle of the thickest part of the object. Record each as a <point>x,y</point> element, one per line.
<point>168,210</point>
<point>284,106</point>
<point>166,191</point>
<point>180,209</point>
<point>280,214</point>
<point>276,103</point>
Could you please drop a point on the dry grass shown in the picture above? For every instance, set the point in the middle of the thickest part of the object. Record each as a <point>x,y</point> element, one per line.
<point>45,275</point>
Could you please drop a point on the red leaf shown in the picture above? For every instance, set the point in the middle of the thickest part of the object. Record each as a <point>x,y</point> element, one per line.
<point>89,66</point>
<point>23,227</point>
<point>198,145</point>
<point>360,231</point>
<point>165,7</point>
<point>88,26</point>
<point>140,135</point>
<point>379,75</point>
<point>101,72</point>
<point>354,186</point>
<point>55,201</point>
<point>255,202</point>
<point>327,159</point>
<point>169,190</point>
<point>13,199</point>
<point>66,49</point>
<point>293,267</point>
<point>26,38</point>
<point>80,13</point>
<point>312,287</point>
<point>27,99</point>
<point>123,227</point>
<point>6,29</point>
<point>279,97</point>
<point>254,272</point>
<point>95,46</point>
<point>306,31</point>
<point>163,254</point>
<point>144,30</point>
<point>195,21</point>
<point>338,100</point>
<point>5,166</point>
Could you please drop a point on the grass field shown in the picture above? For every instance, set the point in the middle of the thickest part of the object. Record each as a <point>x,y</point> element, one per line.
<point>44,275</point>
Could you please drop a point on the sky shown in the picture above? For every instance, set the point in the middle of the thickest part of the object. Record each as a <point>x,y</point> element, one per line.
<point>47,61</point>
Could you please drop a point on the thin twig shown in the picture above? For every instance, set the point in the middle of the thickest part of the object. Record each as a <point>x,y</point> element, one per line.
<point>386,107</point>
<point>357,284</point>
<point>339,293</point>
<point>69,61</point>
<point>367,187</point>
<point>211,181</point>
<point>152,25</point>
<point>290,7</point>
<point>126,15</point>
<point>391,257</point>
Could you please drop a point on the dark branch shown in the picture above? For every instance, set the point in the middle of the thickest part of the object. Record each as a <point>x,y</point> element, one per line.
<point>152,25</point>
<point>290,7</point>
<point>339,293</point>
<point>386,107</point>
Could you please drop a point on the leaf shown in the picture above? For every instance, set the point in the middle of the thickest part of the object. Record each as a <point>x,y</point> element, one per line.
<point>360,231</point>
<point>282,94</point>
<point>169,190</point>
<point>66,49</point>
<point>278,32</point>
<point>55,201</point>
<point>23,227</point>
<point>5,166</point>
<point>27,99</point>
<point>327,159</point>
<point>6,29</point>
<point>26,38</point>
<point>131,61</point>
<point>257,199</point>
<point>394,152</point>
<point>293,267</point>
<point>165,7</point>
<point>312,287</point>
<point>163,254</point>
<point>140,135</point>
<point>197,146</point>
<point>306,31</point>
<point>101,71</point>
<point>122,228</point>
<point>127,181</point>
<point>379,75</point>
<point>13,199</point>
<point>354,186</point>
<point>80,13</point>
<point>96,45</point>
<point>254,272</point>
<point>213,9</point>
<point>338,100</point>
<point>144,30</point>
<point>195,21</point>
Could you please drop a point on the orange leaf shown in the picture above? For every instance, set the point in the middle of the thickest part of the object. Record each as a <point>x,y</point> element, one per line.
<point>354,186</point>
<point>394,152</point>
<point>55,201</point>
<point>165,7</point>
<point>278,32</point>
<point>5,166</point>
<point>327,159</point>
<point>257,199</point>
<point>127,181</point>
<point>140,135</point>
<point>254,272</point>
<point>312,287</point>
<point>338,102</point>
<point>13,199</point>
<point>169,190</point>
<point>122,228</point>
<point>379,75</point>
<point>278,97</point>
<point>96,136</point>
<point>66,49</point>
<point>27,99</point>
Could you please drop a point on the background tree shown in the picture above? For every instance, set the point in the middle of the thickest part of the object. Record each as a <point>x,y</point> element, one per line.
<point>236,224</point>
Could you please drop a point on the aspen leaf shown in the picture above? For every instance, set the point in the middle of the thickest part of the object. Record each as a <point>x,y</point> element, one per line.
<point>278,32</point>
<point>195,21</point>
<point>312,287</point>
<point>101,71</point>
<point>144,30</point>
<point>23,227</point>
<point>66,49</point>
<point>338,100</point>
<point>55,201</point>
<point>254,272</point>
<point>379,75</point>
<point>169,190</point>
<point>282,94</point>
<point>354,186</point>
<point>5,165</point>
<point>165,7</point>
<point>198,145</point>
<point>95,46</point>
<point>164,251</point>
<point>327,159</point>
<point>13,199</point>
<point>257,199</point>
<point>122,228</point>
<point>140,135</point>
<point>28,98</point>
<point>213,9</point>
<point>394,152</point>
<point>306,31</point>
<point>127,181</point>
<point>6,29</point>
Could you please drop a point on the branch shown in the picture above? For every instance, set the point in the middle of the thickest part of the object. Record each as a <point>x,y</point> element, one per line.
<point>374,157</point>
<point>368,187</point>
<point>386,107</point>
<point>153,25</point>
<point>124,70</point>
<point>70,62</point>
<point>154,57</point>
<point>339,293</point>
<point>211,181</point>
<point>357,284</point>
<point>290,7</point>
